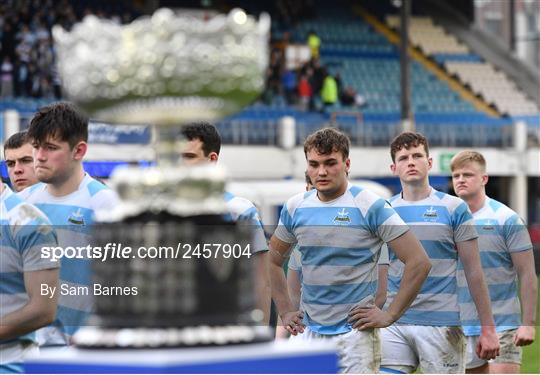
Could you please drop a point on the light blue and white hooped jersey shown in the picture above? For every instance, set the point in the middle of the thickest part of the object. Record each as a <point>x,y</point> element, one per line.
<point>72,216</point>
<point>241,209</point>
<point>501,233</point>
<point>439,222</point>
<point>340,243</point>
<point>24,230</point>
<point>295,261</point>
<point>384,259</point>
<point>295,264</point>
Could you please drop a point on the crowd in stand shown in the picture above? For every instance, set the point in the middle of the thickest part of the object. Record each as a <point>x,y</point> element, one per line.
<point>28,67</point>
<point>27,51</point>
<point>289,12</point>
<point>310,86</point>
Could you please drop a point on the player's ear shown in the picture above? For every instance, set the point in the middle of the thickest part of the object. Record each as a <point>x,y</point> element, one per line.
<point>213,156</point>
<point>80,150</point>
<point>430,162</point>
<point>485,179</point>
<point>393,168</point>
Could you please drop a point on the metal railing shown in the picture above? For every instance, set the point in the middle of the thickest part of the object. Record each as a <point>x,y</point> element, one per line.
<point>375,134</point>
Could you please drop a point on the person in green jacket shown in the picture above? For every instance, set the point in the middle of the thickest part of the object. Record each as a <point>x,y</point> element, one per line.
<point>329,90</point>
<point>314,43</point>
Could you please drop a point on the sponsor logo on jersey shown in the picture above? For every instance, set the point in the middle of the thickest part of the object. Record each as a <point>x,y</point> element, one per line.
<point>430,214</point>
<point>342,217</point>
<point>489,225</point>
<point>76,218</point>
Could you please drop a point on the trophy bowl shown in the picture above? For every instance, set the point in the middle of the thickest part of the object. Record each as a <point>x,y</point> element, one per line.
<point>165,69</point>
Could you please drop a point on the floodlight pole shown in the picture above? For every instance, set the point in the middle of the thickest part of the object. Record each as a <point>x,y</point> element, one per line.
<point>512,25</point>
<point>406,118</point>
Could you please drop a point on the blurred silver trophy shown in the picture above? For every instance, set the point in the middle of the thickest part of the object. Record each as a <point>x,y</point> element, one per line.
<point>168,70</point>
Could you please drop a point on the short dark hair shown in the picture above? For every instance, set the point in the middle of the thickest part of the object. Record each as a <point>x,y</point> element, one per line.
<point>59,120</point>
<point>307,178</point>
<point>206,133</point>
<point>328,140</point>
<point>16,140</point>
<point>407,140</point>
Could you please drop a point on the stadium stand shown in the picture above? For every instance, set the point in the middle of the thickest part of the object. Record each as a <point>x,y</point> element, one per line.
<point>368,63</point>
<point>430,38</point>
<point>493,86</point>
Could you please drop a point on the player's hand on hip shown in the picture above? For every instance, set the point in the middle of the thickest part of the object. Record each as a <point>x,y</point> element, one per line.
<point>488,344</point>
<point>292,321</point>
<point>369,317</point>
<point>524,335</point>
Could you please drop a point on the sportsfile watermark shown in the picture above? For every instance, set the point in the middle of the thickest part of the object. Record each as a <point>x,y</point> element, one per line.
<point>120,251</point>
<point>132,271</point>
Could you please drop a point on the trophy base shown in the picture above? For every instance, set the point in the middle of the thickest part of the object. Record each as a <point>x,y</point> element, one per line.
<point>145,338</point>
<point>166,110</point>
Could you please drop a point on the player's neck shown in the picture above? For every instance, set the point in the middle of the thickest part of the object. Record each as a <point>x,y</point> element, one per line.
<point>1,187</point>
<point>476,202</point>
<point>68,186</point>
<point>415,192</point>
<point>327,197</point>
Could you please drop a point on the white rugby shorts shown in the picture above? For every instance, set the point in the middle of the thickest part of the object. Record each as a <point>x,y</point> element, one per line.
<point>359,352</point>
<point>433,349</point>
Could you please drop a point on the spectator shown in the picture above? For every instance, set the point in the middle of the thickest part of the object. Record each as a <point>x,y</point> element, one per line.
<point>329,92</point>
<point>318,75</point>
<point>26,36</point>
<point>273,77</point>
<point>305,92</point>
<point>290,12</point>
<point>8,39</point>
<point>339,83</point>
<point>45,88</point>
<point>26,39</point>
<point>7,78</point>
<point>22,79</point>
<point>23,52</point>
<point>314,44</point>
<point>289,86</point>
<point>56,83</point>
<point>347,95</point>
<point>350,97</point>
<point>42,33</point>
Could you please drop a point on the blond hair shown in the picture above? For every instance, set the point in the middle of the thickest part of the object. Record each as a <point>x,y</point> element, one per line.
<point>465,157</point>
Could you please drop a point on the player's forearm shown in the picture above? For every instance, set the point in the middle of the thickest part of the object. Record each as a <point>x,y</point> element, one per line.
<point>528,295</point>
<point>382,286</point>
<point>264,302</point>
<point>470,258</point>
<point>278,285</point>
<point>262,285</point>
<point>294,287</point>
<point>380,298</point>
<point>33,315</point>
<point>480,296</point>
<point>414,274</point>
<point>294,295</point>
<point>295,302</point>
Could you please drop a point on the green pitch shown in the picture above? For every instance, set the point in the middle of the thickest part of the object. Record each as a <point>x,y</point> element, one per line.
<point>531,353</point>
